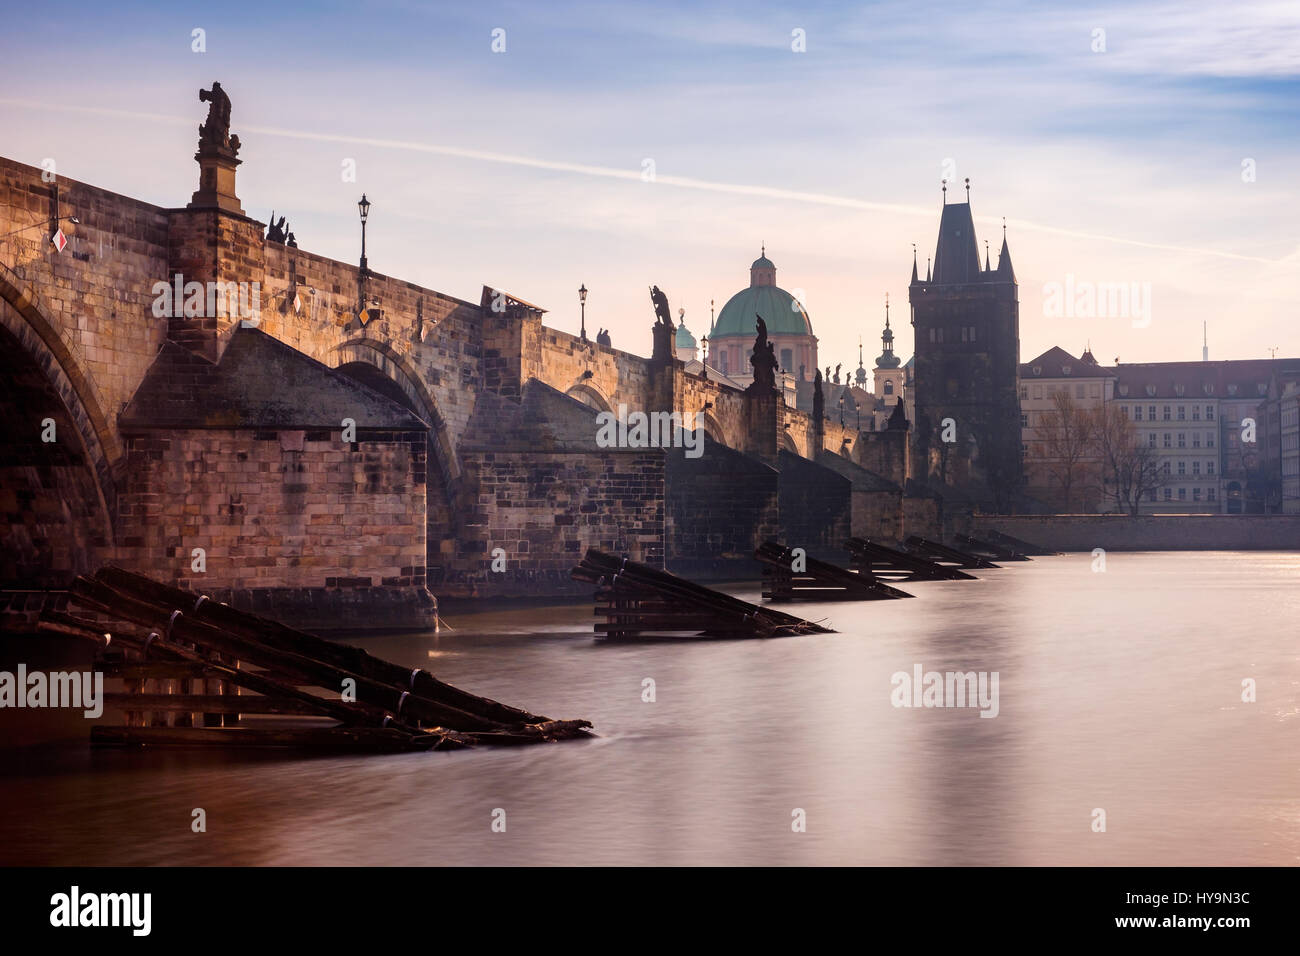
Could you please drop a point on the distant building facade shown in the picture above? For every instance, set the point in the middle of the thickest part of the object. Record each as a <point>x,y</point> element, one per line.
<point>1089,386</point>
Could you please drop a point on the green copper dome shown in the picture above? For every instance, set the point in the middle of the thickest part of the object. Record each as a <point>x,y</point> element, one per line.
<point>779,309</point>
<point>684,338</point>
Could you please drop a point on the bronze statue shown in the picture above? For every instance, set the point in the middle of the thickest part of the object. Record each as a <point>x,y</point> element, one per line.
<point>216,130</point>
<point>663,328</point>
<point>663,315</point>
<point>275,231</point>
<point>764,358</point>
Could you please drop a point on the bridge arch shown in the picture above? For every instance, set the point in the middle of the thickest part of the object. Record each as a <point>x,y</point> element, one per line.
<point>590,395</point>
<point>398,371</point>
<point>61,518</point>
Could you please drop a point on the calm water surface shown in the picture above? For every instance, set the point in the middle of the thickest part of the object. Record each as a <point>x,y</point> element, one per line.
<point>1119,690</point>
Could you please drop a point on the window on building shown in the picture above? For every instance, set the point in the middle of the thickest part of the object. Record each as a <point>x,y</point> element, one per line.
<point>1167,410</point>
<point>1182,439</point>
<point>965,333</point>
<point>1196,494</point>
<point>1182,494</point>
<point>1196,413</point>
<point>1151,495</point>
<point>1196,468</point>
<point>1209,467</point>
<point>1095,390</point>
<point>1024,391</point>
<point>1168,440</point>
<point>1024,421</point>
<point>1038,391</point>
<point>1209,439</point>
<point>972,333</point>
<point>1182,468</point>
<point>889,386</point>
<point>1211,494</point>
<point>1196,439</point>
<point>1151,413</point>
<point>1169,494</point>
<point>1137,413</point>
<point>1182,412</point>
<point>1164,468</point>
<point>1209,413</point>
<point>1078,391</point>
<point>1151,439</point>
<point>787,359</point>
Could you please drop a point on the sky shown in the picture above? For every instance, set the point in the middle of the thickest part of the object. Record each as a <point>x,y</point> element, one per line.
<point>1153,146</point>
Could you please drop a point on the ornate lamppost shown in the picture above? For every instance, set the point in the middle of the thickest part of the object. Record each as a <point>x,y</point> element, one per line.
<point>582,303</point>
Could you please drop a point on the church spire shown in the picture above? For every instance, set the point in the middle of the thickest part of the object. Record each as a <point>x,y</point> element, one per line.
<point>914,279</point>
<point>887,357</point>
<point>1004,257</point>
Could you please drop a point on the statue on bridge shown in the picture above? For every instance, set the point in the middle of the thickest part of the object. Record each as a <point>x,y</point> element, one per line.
<point>663,329</point>
<point>275,232</point>
<point>216,130</point>
<point>764,357</point>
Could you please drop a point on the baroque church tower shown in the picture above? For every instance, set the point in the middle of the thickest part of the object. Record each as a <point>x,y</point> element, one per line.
<point>967,389</point>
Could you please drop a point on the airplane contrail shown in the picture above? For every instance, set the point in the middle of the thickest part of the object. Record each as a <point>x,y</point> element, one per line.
<point>611,172</point>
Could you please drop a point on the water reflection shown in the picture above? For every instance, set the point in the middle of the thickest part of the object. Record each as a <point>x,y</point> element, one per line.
<point>1119,690</point>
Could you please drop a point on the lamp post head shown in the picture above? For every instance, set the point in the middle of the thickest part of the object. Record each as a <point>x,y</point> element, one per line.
<point>363,207</point>
<point>582,293</point>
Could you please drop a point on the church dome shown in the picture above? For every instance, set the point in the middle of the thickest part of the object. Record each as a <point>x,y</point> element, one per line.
<point>684,338</point>
<point>781,311</point>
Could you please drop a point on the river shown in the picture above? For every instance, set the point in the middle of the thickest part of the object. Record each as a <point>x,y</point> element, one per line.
<point>1118,690</point>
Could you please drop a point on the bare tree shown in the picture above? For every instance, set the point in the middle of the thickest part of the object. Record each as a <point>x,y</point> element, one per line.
<point>1130,469</point>
<point>1066,449</point>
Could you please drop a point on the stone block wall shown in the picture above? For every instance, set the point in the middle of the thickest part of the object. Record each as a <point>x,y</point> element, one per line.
<point>923,516</point>
<point>877,515</point>
<point>1146,532</point>
<point>720,507</point>
<point>275,510</point>
<point>816,506</point>
<point>543,510</point>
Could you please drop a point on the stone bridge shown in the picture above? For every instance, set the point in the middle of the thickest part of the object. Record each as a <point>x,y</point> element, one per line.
<point>216,452</point>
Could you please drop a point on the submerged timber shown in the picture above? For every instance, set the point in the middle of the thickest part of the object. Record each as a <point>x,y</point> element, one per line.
<point>193,669</point>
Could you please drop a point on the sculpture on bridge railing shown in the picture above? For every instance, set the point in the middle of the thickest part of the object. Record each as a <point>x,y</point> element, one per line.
<point>663,329</point>
<point>764,357</point>
<point>216,130</point>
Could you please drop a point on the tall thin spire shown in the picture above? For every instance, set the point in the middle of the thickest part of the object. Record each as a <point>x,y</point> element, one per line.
<point>968,190</point>
<point>945,192</point>
<point>986,256</point>
<point>927,268</point>
<point>914,278</point>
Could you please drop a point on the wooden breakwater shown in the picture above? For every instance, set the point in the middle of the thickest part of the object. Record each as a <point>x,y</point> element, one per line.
<point>788,576</point>
<point>194,672</point>
<point>636,600</point>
